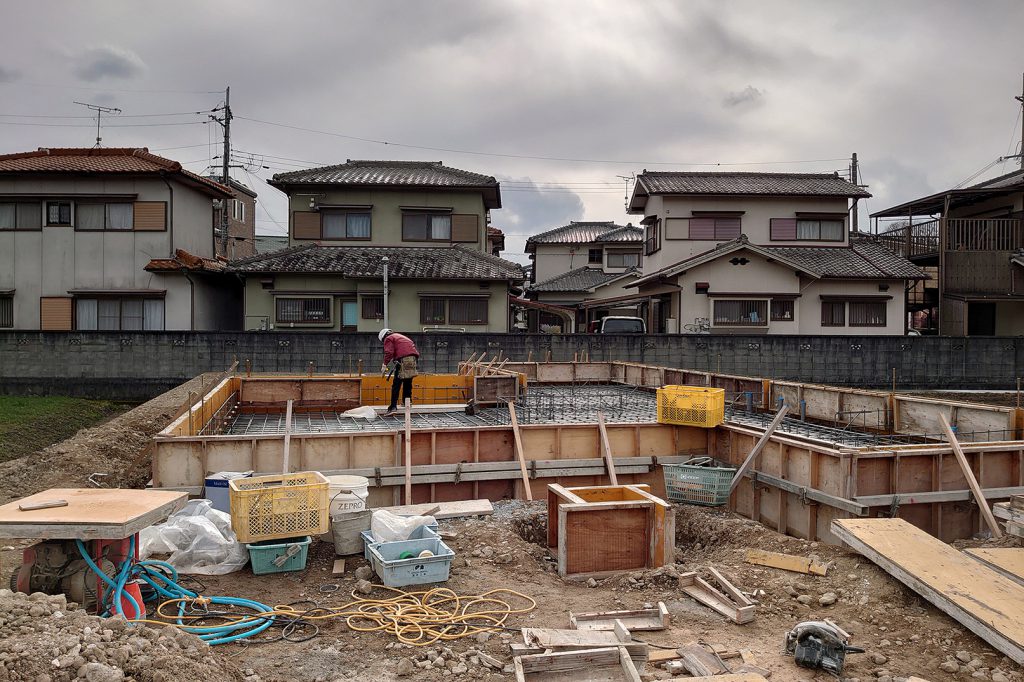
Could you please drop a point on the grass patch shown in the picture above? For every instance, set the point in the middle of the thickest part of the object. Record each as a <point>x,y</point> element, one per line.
<point>31,424</point>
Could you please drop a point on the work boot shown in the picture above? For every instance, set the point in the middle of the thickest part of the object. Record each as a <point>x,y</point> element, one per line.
<point>391,411</point>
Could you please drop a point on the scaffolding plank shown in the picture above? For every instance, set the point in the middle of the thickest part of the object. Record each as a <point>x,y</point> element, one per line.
<point>449,510</point>
<point>1008,561</point>
<point>985,602</point>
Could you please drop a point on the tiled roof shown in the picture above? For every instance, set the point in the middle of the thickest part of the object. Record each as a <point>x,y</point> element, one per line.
<point>364,262</point>
<point>747,184</point>
<point>1012,179</point>
<point>102,160</point>
<point>863,259</point>
<point>580,279</point>
<point>584,232</point>
<point>183,260</point>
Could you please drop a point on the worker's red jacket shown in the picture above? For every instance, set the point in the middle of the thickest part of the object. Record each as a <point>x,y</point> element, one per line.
<point>397,346</point>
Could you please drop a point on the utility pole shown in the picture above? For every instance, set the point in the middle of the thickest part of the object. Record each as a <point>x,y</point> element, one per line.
<point>1020,98</point>
<point>225,122</point>
<point>855,223</point>
<point>99,116</point>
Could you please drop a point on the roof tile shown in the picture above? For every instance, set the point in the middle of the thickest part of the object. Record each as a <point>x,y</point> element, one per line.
<point>584,232</point>
<point>747,184</point>
<point>580,279</point>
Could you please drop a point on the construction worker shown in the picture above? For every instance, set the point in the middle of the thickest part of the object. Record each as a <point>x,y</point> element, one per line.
<point>401,349</point>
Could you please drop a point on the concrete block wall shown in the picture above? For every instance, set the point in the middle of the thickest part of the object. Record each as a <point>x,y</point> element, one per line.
<point>139,365</point>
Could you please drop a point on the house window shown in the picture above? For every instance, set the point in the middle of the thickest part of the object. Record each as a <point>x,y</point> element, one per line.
<point>238,210</point>
<point>119,314</point>
<point>467,311</point>
<point>104,216</point>
<point>782,311</point>
<point>867,313</point>
<point>432,311</point>
<point>373,307</point>
<point>741,313</point>
<point>820,230</point>
<point>595,256</point>
<point>344,225</point>
<point>833,314</point>
<point>714,228</point>
<point>58,213</point>
<point>6,312</point>
<point>623,259</point>
<point>426,227</point>
<point>652,237</point>
<point>303,310</point>
<point>20,215</point>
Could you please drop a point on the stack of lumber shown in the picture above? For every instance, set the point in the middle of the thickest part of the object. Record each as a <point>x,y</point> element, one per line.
<point>1012,513</point>
<point>984,600</point>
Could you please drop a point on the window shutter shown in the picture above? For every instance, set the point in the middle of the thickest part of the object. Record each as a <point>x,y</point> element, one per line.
<point>783,228</point>
<point>55,314</point>
<point>465,227</point>
<point>727,228</point>
<point>702,228</point>
<point>150,216</point>
<point>305,225</point>
<point>675,228</point>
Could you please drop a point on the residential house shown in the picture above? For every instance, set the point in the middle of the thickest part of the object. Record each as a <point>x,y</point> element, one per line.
<point>763,253</point>
<point>495,241</point>
<point>426,221</point>
<point>270,242</point>
<point>971,240</point>
<point>241,241</point>
<point>110,239</point>
<point>580,266</point>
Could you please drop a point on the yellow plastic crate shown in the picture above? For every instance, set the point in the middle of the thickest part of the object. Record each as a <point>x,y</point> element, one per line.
<point>280,506</point>
<point>691,406</point>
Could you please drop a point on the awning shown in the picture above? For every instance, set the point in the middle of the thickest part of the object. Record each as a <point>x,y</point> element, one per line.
<point>615,301</point>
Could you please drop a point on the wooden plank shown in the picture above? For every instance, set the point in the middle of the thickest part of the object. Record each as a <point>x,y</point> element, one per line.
<point>606,449</point>
<point>985,602</point>
<point>634,621</point>
<point>609,664</point>
<point>566,640</point>
<point>1007,561</point>
<point>729,677</point>
<point>90,513</point>
<point>934,496</point>
<point>287,437</point>
<point>408,451</point>
<point>699,662</point>
<point>786,562</point>
<point>972,482</point>
<point>1007,512</point>
<point>448,510</point>
<point>756,450</point>
<point>519,451</point>
<point>339,567</point>
<point>706,594</point>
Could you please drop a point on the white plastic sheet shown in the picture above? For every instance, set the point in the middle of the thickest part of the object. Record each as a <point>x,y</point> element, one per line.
<point>365,412</point>
<point>388,527</point>
<point>198,538</point>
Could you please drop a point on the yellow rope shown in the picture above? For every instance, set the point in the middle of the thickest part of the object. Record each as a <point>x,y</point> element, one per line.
<point>415,618</point>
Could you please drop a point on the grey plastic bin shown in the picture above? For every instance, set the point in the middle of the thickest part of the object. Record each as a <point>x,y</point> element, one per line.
<point>397,572</point>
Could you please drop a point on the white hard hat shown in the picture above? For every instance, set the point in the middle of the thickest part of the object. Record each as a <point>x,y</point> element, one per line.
<point>383,332</point>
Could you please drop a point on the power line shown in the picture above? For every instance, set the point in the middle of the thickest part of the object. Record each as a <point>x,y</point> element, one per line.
<point>86,125</point>
<point>182,113</point>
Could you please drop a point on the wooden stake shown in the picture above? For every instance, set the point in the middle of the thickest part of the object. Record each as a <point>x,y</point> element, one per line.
<point>972,482</point>
<point>287,435</point>
<point>606,449</point>
<point>408,450</point>
<point>519,451</point>
<point>529,358</point>
<point>749,461</point>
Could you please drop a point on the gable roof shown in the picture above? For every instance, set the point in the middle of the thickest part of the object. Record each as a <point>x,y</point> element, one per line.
<point>958,197</point>
<point>863,259</point>
<point>579,280</point>
<point>585,232</point>
<point>396,174</point>
<point>234,184</point>
<point>103,161</point>
<point>364,262</point>
<point>699,183</point>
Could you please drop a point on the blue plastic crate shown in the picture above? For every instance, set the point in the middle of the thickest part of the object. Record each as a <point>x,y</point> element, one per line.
<point>421,533</point>
<point>262,555</point>
<point>417,570</point>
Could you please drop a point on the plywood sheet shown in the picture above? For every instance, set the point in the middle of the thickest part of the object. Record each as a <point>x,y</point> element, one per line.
<point>982,600</point>
<point>91,513</point>
<point>449,510</point>
<point>1009,561</point>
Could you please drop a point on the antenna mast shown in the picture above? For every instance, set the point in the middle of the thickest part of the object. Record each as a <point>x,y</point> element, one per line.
<point>100,110</point>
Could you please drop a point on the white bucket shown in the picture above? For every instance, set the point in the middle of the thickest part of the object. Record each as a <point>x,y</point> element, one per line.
<point>347,493</point>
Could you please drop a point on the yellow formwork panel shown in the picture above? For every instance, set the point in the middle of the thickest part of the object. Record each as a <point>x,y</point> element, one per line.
<point>427,389</point>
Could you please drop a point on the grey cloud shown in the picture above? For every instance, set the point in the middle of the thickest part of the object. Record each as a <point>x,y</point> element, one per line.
<point>528,210</point>
<point>8,74</point>
<point>748,97</point>
<point>108,61</point>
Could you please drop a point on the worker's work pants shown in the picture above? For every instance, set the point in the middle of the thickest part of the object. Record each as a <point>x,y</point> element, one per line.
<point>404,374</point>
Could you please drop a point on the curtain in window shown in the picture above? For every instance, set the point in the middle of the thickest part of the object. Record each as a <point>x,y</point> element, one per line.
<point>30,216</point>
<point>8,216</point>
<point>833,314</point>
<point>109,314</point>
<point>334,226</point>
<point>153,314</point>
<point>808,229</point>
<point>289,310</point>
<point>415,226</point>
<point>432,310</point>
<point>867,314</point>
<point>131,314</point>
<point>86,314</point>
<point>359,225</point>
<point>90,217</point>
<point>832,230</point>
<point>119,216</point>
<point>467,311</point>
<point>440,227</point>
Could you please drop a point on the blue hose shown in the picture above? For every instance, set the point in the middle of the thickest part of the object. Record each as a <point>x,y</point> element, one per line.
<point>162,577</point>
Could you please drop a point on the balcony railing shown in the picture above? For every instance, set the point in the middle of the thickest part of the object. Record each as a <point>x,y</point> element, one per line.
<point>962,234</point>
<point>910,241</point>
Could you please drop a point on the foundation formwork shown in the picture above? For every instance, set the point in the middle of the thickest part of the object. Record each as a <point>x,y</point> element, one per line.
<point>845,453</point>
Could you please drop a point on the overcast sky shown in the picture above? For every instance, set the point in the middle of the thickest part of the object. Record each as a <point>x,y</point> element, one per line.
<point>922,91</point>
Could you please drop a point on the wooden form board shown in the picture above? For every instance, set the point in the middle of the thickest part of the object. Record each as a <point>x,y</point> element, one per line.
<point>572,640</point>
<point>600,530</point>
<point>787,562</point>
<point>1007,561</point>
<point>609,664</point>
<point>449,510</point>
<point>90,514</point>
<point>638,620</point>
<point>729,602</point>
<point>982,600</point>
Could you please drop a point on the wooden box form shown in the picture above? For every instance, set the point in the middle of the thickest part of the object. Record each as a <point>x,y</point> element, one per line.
<point>603,530</point>
<point>608,663</point>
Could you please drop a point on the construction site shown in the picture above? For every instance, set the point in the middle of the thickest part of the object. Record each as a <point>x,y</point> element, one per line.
<point>566,521</point>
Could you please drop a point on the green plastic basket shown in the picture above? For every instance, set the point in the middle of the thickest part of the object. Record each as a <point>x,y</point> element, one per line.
<point>695,481</point>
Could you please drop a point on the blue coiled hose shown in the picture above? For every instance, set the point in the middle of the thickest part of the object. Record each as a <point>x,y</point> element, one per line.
<point>162,577</point>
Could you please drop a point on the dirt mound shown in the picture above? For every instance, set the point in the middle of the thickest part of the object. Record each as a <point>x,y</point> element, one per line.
<point>45,638</point>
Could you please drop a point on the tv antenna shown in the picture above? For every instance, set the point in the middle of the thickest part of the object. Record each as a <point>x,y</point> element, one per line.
<point>100,110</point>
